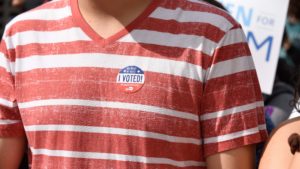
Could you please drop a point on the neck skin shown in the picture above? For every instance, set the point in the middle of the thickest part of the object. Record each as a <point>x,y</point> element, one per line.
<point>110,7</point>
<point>107,17</point>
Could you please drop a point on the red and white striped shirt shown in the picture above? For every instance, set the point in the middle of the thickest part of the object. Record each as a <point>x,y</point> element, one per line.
<point>176,85</point>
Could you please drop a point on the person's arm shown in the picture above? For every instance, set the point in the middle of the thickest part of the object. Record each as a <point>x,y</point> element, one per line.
<point>232,116</point>
<point>243,157</point>
<point>11,152</point>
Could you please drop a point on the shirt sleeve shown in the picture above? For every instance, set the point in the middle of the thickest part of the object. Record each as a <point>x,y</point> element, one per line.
<point>232,107</point>
<point>10,120</point>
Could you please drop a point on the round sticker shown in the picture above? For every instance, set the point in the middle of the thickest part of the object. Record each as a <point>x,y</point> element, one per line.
<point>131,79</point>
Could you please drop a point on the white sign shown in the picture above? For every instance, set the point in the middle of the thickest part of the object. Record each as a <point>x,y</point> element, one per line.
<point>263,22</point>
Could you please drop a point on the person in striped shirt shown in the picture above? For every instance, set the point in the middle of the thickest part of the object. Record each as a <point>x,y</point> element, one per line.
<point>128,84</point>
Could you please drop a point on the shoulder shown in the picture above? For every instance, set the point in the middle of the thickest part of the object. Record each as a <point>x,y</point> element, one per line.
<point>31,20</point>
<point>201,12</point>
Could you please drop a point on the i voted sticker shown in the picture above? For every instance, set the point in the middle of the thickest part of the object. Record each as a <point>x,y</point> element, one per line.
<point>131,79</point>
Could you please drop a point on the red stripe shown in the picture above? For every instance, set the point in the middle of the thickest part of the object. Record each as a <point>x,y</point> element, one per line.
<point>234,93</point>
<point>214,148</point>
<point>111,117</point>
<point>12,130</point>
<point>115,144</point>
<point>79,163</point>
<point>9,113</point>
<point>3,48</point>
<point>7,91</point>
<point>6,78</point>
<point>160,90</point>
<point>231,52</point>
<point>200,7</point>
<point>6,85</point>
<point>231,123</point>
<point>231,81</point>
<point>42,25</point>
<point>189,28</point>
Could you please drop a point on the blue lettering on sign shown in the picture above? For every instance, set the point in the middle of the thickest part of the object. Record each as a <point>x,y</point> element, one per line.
<point>268,41</point>
<point>243,14</point>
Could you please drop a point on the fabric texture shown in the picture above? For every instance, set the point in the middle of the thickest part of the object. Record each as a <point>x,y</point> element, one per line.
<point>176,85</point>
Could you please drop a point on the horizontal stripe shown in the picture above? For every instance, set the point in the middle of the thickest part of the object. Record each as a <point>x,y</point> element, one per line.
<point>116,118</point>
<point>42,25</point>
<point>106,104</point>
<point>41,37</point>
<point>232,96</point>
<point>191,6</point>
<point>173,40</point>
<point>262,127</point>
<point>110,130</point>
<point>230,67</point>
<point>148,50</point>
<point>7,122</point>
<point>232,111</point>
<point>42,14</point>
<point>4,62</point>
<point>118,157</point>
<point>7,103</point>
<point>213,148</point>
<point>235,135</point>
<point>100,85</point>
<point>188,28</point>
<point>230,51</point>
<point>198,2</point>
<point>181,15</point>
<point>116,144</point>
<point>53,162</point>
<point>233,82</point>
<point>233,37</point>
<point>111,61</point>
<point>232,123</point>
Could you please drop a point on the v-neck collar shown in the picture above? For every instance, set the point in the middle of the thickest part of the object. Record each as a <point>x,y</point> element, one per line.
<point>82,23</point>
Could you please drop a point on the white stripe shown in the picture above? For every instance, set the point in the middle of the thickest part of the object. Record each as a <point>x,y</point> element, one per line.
<point>181,15</point>
<point>262,127</point>
<point>7,122</point>
<point>231,66</point>
<point>118,157</point>
<point>235,135</point>
<point>232,111</point>
<point>198,2</point>
<point>43,14</point>
<point>4,62</point>
<point>7,103</point>
<point>115,131</point>
<point>106,104</point>
<point>42,37</point>
<point>198,43</point>
<point>99,60</point>
<point>233,37</point>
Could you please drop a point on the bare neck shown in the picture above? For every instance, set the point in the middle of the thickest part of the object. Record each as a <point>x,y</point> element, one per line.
<point>113,8</point>
<point>107,17</point>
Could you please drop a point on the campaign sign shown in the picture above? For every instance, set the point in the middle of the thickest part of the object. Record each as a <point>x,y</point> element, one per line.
<point>263,22</point>
<point>131,79</point>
